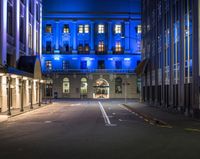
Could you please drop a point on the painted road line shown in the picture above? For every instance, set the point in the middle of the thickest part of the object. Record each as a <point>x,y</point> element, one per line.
<point>192,130</point>
<point>105,116</point>
<point>150,120</point>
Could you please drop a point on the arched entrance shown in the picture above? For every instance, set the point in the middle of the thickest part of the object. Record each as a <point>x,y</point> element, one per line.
<point>101,89</point>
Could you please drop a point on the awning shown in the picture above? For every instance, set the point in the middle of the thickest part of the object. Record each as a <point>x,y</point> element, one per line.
<point>142,67</point>
<point>30,64</point>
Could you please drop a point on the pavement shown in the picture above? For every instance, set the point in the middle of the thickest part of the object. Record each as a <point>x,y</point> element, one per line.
<point>15,112</point>
<point>96,129</point>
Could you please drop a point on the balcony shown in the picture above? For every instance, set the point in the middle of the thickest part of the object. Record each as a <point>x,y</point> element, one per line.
<point>68,71</point>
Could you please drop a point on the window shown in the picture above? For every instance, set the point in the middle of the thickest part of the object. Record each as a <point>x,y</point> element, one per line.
<point>87,48</point>
<point>49,65</point>
<point>118,85</point>
<point>87,28</point>
<point>66,85</point>
<point>118,29</point>
<point>139,29</point>
<point>66,65</point>
<point>80,48</point>
<point>118,64</point>
<point>101,47</point>
<point>101,64</point>
<point>84,86</point>
<point>83,64</point>
<point>118,47</point>
<point>101,29</point>
<point>48,28</point>
<point>66,47</point>
<point>21,29</point>
<point>66,29</point>
<point>48,46</point>
<point>9,20</point>
<point>80,29</point>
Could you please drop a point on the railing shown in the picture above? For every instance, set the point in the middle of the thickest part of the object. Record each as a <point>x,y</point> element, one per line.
<point>129,71</point>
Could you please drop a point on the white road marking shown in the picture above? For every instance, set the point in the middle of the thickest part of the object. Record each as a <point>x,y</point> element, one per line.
<point>78,104</point>
<point>105,116</point>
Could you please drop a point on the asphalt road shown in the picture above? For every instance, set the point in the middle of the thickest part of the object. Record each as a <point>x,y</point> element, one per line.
<point>92,130</point>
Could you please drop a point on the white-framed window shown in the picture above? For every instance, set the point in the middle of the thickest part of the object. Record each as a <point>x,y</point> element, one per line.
<point>80,29</point>
<point>101,29</point>
<point>118,47</point>
<point>118,29</point>
<point>139,29</point>
<point>86,28</point>
<point>101,46</point>
<point>48,28</point>
<point>66,29</point>
<point>66,86</point>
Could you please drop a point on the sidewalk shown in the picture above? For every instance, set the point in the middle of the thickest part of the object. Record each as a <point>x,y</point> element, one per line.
<point>173,119</point>
<point>15,112</point>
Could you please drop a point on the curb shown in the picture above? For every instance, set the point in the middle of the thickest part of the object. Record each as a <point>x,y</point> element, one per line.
<point>147,118</point>
<point>6,117</point>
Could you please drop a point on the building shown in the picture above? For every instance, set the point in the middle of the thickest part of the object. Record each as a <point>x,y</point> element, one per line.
<point>20,48</point>
<point>91,48</point>
<point>170,53</point>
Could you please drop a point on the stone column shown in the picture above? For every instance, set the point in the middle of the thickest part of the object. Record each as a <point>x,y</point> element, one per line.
<point>182,46</point>
<point>127,37</point>
<point>74,51</point>
<point>27,27</point>
<point>34,93</point>
<point>3,94</point>
<point>15,93</point>
<point>110,32</point>
<point>3,38</point>
<point>17,29</point>
<point>92,31</point>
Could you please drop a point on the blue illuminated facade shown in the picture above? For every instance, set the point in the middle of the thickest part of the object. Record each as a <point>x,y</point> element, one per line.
<point>83,40</point>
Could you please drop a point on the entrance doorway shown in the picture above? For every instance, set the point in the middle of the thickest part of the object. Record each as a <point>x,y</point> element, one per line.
<point>101,89</point>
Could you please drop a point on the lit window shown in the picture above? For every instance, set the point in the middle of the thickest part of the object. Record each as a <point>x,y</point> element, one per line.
<point>87,28</point>
<point>87,48</point>
<point>49,65</point>
<point>101,47</point>
<point>139,29</point>
<point>80,48</point>
<point>101,29</point>
<point>66,85</point>
<point>118,47</point>
<point>66,29</point>
<point>48,28</point>
<point>118,29</point>
<point>80,29</point>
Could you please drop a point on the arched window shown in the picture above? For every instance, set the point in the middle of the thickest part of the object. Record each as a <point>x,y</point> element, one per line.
<point>66,85</point>
<point>118,85</point>
<point>84,86</point>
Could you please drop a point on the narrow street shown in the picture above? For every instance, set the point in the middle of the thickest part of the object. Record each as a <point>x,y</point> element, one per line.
<point>92,129</point>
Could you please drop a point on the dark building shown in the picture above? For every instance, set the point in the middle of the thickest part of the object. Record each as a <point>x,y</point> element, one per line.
<point>170,73</point>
